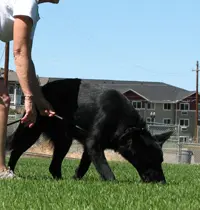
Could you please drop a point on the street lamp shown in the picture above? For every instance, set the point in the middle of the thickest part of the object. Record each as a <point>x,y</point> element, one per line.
<point>152,115</point>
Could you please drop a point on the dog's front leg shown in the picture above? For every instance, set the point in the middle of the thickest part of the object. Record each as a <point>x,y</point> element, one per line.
<point>99,160</point>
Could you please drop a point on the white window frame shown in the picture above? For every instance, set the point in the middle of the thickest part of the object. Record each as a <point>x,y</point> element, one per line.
<point>184,122</point>
<point>151,105</point>
<point>167,119</point>
<point>167,109</point>
<point>137,103</point>
<point>184,103</point>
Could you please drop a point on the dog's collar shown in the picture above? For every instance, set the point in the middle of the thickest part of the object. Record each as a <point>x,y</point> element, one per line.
<point>126,135</point>
<point>130,131</point>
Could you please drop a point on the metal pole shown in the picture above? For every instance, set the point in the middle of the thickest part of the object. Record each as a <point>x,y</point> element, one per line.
<point>197,102</point>
<point>197,99</point>
<point>6,64</point>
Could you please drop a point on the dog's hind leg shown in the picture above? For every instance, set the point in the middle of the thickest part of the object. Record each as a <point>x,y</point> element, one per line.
<point>83,166</point>
<point>23,139</point>
<point>62,143</point>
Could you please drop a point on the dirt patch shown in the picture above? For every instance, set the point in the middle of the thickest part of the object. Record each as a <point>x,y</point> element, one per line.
<point>74,152</point>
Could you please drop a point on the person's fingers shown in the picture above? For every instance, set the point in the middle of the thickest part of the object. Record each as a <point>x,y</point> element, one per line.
<point>29,120</point>
<point>27,123</point>
<point>31,125</point>
<point>6,99</point>
<point>24,118</point>
<point>50,113</point>
<point>47,113</point>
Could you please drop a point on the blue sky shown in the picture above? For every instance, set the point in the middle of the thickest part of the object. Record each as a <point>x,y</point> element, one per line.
<point>113,39</point>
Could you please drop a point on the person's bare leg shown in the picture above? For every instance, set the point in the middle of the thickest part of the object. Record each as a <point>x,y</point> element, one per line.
<point>3,131</point>
<point>4,108</point>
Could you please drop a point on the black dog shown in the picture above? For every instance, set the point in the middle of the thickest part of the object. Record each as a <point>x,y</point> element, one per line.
<point>108,120</point>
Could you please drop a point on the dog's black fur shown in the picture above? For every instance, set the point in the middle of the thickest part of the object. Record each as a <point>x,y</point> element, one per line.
<point>105,115</point>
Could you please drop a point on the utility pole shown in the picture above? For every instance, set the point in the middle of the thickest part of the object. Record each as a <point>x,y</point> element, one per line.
<point>197,101</point>
<point>6,64</point>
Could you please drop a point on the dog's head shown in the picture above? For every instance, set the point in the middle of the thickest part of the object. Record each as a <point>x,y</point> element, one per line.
<point>144,152</point>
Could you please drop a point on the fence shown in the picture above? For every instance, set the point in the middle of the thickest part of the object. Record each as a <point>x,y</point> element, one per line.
<point>180,148</point>
<point>171,147</point>
<point>13,127</point>
<point>177,149</point>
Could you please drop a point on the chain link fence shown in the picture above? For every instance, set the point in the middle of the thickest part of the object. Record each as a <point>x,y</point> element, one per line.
<point>171,146</point>
<point>177,149</point>
<point>180,148</point>
<point>13,127</point>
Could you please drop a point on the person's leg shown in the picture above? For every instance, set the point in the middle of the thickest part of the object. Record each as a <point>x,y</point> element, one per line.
<point>4,108</point>
<point>3,130</point>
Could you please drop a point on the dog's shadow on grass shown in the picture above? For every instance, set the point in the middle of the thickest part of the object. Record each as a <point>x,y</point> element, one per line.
<point>93,180</point>
<point>87,180</point>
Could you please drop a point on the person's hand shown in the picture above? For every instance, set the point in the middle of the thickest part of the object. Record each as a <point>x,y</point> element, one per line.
<point>30,116</point>
<point>4,94</point>
<point>44,107</point>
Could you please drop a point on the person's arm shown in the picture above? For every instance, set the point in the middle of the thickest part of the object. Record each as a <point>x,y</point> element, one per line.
<point>35,86</point>
<point>22,54</point>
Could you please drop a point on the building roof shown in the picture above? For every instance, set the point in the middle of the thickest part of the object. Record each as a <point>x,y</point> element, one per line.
<point>12,76</point>
<point>152,91</point>
<point>155,92</point>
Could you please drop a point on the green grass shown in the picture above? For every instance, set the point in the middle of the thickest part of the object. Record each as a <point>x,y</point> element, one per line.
<point>37,190</point>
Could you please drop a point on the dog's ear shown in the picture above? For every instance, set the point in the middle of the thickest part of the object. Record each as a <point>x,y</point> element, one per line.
<point>131,137</point>
<point>125,141</point>
<point>163,137</point>
<point>147,138</point>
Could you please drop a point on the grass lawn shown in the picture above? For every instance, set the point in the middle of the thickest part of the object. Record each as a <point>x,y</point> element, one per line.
<point>37,190</point>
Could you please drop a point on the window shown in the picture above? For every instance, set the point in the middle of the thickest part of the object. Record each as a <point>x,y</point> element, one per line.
<point>167,106</point>
<point>184,122</point>
<point>11,89</point>
<point>184,138</point>
<point>138,104</point>
<point>184,106</point>
<point>18,90</point>
<point>150,106</point>
<point>167,121</point>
